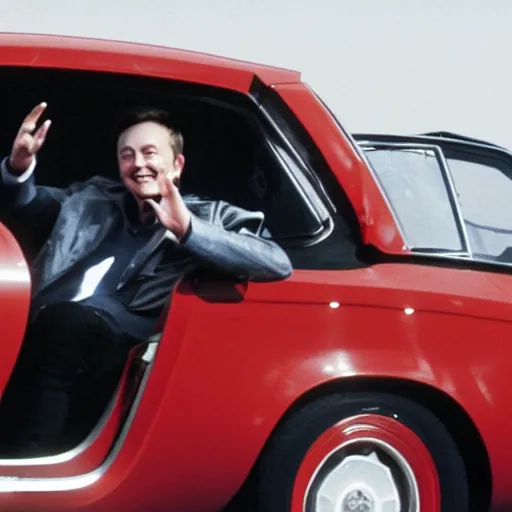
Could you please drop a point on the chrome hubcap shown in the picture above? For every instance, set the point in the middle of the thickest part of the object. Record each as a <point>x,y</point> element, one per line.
<point>368,476</point>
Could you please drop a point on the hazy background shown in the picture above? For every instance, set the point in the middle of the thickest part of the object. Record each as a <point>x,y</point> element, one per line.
<point>397,66</point>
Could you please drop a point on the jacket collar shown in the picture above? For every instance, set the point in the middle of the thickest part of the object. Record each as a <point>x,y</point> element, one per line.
<point>130,212</point>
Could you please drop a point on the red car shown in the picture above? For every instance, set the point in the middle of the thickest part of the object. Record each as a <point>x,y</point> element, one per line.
<point>375,378</point>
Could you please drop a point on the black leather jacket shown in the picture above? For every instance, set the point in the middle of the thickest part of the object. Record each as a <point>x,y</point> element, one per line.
<point>77,219</point>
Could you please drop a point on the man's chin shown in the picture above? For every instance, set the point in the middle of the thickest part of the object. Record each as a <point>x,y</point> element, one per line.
<point>146,192</point>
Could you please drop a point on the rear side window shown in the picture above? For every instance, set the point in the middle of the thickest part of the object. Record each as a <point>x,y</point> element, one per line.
<point>449,197</point>
<point>415,185</point>
<point>484,190</point>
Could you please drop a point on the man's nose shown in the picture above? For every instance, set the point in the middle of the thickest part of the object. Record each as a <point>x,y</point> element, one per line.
<point>139,161</point>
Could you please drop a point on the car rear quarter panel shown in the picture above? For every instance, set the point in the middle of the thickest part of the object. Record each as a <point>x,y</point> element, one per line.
<point>226,374</point>
<point>376,219</point>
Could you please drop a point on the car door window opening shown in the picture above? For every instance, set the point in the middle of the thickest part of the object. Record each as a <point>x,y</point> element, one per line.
<point>231,149</point>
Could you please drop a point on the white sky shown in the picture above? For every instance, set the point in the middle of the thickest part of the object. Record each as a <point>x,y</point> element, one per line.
<point>396,65</point>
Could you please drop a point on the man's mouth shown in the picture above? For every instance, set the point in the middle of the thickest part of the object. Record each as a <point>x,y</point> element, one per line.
<point>143,177</point>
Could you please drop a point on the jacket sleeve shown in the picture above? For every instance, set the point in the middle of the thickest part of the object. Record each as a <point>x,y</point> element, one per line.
<point>33,205</point>
<point>231,243</point>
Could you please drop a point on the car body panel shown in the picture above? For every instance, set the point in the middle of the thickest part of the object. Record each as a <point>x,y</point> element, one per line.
<point>311,343</point>
<point>181,426</point>
<point>378,225</point>
<point>136,59</point>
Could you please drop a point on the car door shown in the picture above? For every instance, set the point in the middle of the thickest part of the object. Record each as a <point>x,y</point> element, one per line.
<point>14,302</point>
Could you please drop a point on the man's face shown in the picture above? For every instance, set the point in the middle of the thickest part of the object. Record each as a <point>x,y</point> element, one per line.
<point>143,151</point>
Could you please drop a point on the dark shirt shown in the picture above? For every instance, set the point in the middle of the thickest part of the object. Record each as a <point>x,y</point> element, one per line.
<point>93,282</point>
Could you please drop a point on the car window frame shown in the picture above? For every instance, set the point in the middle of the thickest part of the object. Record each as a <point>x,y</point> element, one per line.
<point>305,182</point>
<point>343,222</point>
<point>465,250</point>
<point>479,152</point>
<point>296,171</point>
<point>241,103</point>
<point>495,158</point>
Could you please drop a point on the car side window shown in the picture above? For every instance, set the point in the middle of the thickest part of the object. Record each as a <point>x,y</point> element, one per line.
<point>311,238</point>
<point>414,184</point>
<point>234,152</point>
<point>484,190</point>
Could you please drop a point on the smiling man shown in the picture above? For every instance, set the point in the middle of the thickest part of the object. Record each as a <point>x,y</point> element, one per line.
<point>113,255</point>
<point>151,160</point>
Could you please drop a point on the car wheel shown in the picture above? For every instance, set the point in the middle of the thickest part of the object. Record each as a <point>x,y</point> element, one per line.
<point>362,452</point>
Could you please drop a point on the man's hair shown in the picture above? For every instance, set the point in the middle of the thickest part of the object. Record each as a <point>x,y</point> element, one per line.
<point>136,115</point>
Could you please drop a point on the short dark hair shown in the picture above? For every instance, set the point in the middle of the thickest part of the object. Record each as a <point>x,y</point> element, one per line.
<point>136,115</point>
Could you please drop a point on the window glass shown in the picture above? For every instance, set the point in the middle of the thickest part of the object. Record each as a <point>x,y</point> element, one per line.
<point>413,182</point>
<point>485,194</point>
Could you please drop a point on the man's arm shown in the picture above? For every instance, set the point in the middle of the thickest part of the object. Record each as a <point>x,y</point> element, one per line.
<point>231,245</point>
<point>20,197</point>
<point>225,241</point>
<point>33,205</point>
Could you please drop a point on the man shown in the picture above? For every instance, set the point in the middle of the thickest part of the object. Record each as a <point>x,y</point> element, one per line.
<point>113,253</point>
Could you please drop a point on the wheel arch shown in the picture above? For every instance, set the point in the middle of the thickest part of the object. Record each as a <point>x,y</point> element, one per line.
<point>455,418</point>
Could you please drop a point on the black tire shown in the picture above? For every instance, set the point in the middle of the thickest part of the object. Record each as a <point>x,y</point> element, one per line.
<point>281,459</point>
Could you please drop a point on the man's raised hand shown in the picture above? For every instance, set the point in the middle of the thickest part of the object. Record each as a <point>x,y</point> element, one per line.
<point>171,210</point>
<point>28,141</point>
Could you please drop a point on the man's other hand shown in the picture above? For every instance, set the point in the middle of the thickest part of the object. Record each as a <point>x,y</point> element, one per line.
<point>171,210</point>
<point>28,141</point>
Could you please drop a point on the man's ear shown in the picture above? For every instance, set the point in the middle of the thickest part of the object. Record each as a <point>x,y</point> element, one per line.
<point>179,163</point>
